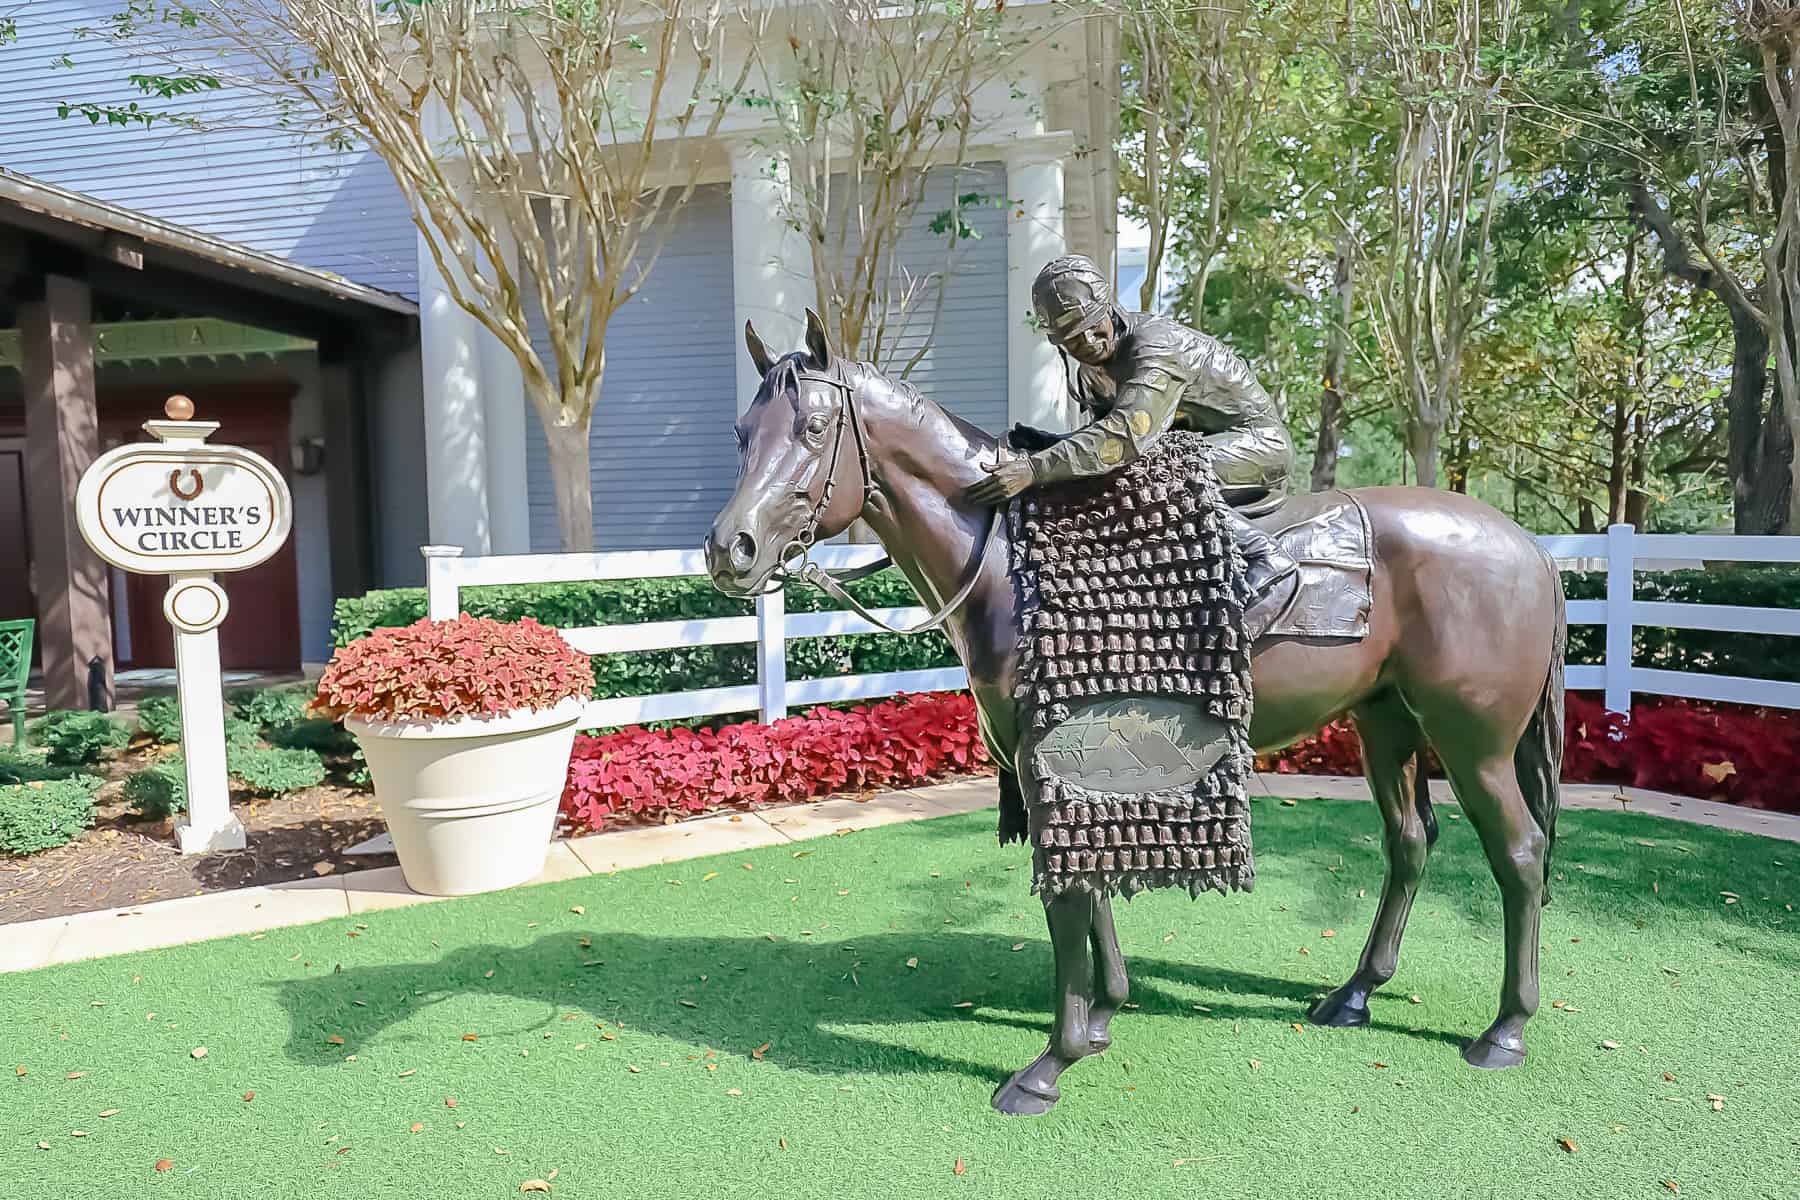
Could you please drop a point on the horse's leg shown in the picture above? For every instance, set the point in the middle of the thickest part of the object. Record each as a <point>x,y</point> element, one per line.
<point>1490,796</point>
<point>1390,746</point>
<point>1112,986</point>
<point>1033,1090</point>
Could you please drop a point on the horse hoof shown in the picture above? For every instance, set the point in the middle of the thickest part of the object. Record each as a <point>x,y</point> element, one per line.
<point>1016,1100</point>
<point>1491,1056</point>
<point>1338,1011</point>
<point>1099,1039</point>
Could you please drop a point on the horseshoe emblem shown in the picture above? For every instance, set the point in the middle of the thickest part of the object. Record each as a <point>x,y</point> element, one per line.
<point>199,484</point>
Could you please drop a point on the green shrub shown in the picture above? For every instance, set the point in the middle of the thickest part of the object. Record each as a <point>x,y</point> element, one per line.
<point>160,717</point>
<point>76,739</point>
<point>314,733</point>
<point>276,772</point>
<point>631,601</point>
<point>159,789</point>
<point>1702,651</point>
<point>29,767</point>
<point>269,707</point>
<point>46,814</point>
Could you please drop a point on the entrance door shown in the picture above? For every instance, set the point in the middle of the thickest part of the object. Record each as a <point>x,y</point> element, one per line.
<point>262,630</point>
<point>15,546</point>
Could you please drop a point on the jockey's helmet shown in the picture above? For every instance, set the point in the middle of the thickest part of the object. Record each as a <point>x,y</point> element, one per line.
<point>1070,295</point>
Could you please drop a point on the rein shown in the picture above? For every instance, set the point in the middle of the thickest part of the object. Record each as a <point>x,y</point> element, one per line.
<point>796,555</point>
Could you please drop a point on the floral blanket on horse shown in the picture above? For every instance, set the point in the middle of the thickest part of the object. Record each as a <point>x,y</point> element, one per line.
<point>1134,680</point>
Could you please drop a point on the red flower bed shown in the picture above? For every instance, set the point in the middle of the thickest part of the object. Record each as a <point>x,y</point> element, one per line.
<point>1731,752</point>
<point>638,776</point>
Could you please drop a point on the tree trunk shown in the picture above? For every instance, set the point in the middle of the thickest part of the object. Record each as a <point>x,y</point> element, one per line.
<point>1422,445</point>
<point>1637,496</point>
<point>1757,464</point>
<point>571,478</point>
<point>1331,394</point>
<point>1619,467</point>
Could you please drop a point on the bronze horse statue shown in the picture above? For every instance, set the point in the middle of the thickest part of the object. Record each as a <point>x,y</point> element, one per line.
<point>1464,655</point>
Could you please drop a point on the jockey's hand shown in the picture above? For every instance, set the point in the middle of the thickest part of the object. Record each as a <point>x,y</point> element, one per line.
<point>1030,439</point>
<point>1006,479</point>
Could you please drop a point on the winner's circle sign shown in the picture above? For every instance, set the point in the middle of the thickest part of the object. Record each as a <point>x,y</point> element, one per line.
<point>167,508</point>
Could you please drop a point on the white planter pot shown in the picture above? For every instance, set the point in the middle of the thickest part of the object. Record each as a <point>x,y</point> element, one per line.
<point>471,801</point>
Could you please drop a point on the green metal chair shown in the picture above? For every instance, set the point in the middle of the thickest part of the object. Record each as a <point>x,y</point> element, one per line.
<point>15,670</point>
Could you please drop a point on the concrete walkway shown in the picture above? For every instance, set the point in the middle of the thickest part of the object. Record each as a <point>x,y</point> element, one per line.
<point>31,944</point>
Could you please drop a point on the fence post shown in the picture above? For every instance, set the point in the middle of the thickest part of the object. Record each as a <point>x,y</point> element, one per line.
<point>1620,563</point>
<point>771,655</point>
<point>440,588</point>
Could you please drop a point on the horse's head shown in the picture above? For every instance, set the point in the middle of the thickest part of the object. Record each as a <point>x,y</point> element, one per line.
<point>803,465</point>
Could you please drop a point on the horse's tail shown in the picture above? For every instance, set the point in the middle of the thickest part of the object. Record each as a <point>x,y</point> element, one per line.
<point>1538,756</point>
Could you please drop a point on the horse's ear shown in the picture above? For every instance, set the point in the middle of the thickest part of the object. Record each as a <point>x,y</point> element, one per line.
<point>759,353</point>
<point>816,344</point>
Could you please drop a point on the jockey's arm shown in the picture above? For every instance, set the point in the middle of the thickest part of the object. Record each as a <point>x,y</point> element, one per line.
<point>1144,410</point>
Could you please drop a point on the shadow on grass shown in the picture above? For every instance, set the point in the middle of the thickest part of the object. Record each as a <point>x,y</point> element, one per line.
<point>800,996</point>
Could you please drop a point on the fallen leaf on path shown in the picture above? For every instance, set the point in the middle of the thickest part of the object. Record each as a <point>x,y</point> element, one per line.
<point>963,1004</point>
<point>578,910</point>
<point>709,875</point>
<point>761,1050</point>
<point>1414,1000</point>
<point>1380,1066</point>
<point>1568,1145</point>
<point>1017,946</point>
<point>19,1071</point>
<point>1609,1044</point>
<point>417,1127</point>
<point>781,1142</point>
<point>249,1096</point>
<point>635,1070</point>
<point>687,1004</point>
<point>534,1185</point>
<point>1289,803</point>
<point>1668,1078</point>
<point>112,1112</point>
<point>959,1168</point>
<point>408,1071</point>
<point>1298,1027</point>
<point>469,1037</point>
<point>449,1101</point>
<point>734,1091</point>
<point>165,1164</point>
<point>198,1052</point>
<point>78,1133</point>
<point>336,1039</point>
<point>70,1075</point>
<point>1672,1186</point>
<point>1329,933</point>
<point>913,963</point>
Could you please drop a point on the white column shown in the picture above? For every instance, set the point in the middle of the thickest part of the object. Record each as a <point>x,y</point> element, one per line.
<point>1035,390</point>
<point>503,406</point>
<point>771,265</point>
<point>208,825</point>
<point>456,473</point>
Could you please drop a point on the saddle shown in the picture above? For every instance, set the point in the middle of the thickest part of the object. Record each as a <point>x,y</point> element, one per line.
<point>1328,535</point>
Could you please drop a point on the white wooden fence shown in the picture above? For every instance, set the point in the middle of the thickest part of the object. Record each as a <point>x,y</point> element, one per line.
<point>1620,548</point>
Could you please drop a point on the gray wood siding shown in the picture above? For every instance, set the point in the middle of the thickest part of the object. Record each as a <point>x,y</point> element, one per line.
<point>663,459</point>
<point>964,368</point>
<point>254,185</point>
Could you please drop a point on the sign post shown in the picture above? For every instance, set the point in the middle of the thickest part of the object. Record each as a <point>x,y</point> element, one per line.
<point>187,509</point>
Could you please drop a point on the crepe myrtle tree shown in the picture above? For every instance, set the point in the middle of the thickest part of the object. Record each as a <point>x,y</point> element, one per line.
<point>864,99</point>
<point>534,142</point>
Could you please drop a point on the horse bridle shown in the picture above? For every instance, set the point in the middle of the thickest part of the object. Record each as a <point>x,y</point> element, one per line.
<point>796,555</point>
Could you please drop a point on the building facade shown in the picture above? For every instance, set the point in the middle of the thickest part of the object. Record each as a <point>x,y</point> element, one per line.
<point>452,451</point>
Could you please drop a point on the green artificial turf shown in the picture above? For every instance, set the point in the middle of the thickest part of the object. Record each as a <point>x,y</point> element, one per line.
<point>875,1083</point>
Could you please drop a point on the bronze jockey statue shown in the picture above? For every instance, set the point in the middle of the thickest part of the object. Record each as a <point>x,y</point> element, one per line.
<point>1139,375</point>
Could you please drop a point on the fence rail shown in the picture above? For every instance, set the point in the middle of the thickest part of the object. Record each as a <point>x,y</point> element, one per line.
<point>1621,548</point>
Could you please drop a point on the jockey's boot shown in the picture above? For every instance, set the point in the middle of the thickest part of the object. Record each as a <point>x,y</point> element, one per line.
<point>1265,563</point>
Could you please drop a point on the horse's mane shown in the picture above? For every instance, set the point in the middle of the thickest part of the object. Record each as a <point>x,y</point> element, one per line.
<point>784,373</point>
